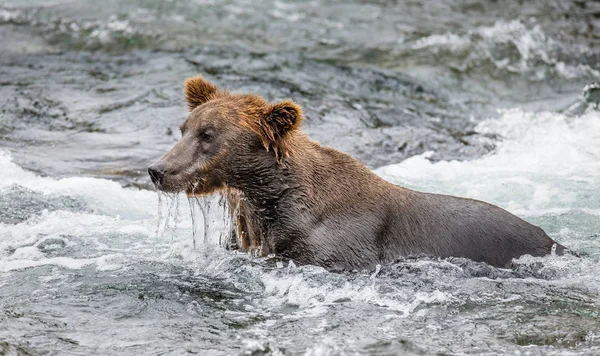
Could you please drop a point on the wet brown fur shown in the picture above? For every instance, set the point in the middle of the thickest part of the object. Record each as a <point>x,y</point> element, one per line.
<point>272,123</point>
<point>293,197</point>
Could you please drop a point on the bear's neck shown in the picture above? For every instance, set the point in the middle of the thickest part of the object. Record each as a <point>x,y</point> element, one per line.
<point>267,185</point>
<point>287,197</point>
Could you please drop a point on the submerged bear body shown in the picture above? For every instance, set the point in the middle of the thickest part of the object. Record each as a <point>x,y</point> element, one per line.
<point>330,210</point>
<point>313,204</point>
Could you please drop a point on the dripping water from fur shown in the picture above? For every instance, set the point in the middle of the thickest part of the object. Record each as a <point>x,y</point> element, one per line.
<point>204,204</point>
<point>193,213</point>
<point>215,219</point>
<point>168,213</point>
<point>210,217</point>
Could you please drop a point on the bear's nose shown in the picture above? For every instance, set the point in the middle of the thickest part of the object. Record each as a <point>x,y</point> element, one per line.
<point>157,173</point>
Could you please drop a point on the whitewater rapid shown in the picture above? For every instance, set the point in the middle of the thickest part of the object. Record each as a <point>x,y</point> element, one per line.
<point>78,244</point>
<point>546,169</point>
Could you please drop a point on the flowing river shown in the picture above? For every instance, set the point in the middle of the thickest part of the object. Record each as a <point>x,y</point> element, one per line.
<point>481,99</point>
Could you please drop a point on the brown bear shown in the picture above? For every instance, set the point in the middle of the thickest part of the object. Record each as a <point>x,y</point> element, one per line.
<point>316,205</point>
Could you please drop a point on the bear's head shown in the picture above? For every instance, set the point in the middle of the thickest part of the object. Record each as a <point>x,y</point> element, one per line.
<point>224,138</point>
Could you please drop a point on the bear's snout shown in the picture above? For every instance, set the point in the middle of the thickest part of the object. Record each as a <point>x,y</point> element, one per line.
<point>157,173</point>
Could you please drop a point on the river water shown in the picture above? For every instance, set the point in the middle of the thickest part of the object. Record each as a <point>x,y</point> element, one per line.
<point>459,97</point>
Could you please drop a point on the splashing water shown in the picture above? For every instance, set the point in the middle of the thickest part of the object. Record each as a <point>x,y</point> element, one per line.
<point>60,266</point>
<point>168,212</point>
<point>204,205</point>
<point>546,170</point>
<point>216,218</point>
<point>192,203</point>
<point>209,215</point>
<point>420,79</point>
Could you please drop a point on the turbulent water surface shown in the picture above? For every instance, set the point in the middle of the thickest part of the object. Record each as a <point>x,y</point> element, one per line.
<point>472,98</point>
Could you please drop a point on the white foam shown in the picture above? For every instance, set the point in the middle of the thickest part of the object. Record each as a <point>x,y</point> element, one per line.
<point>113,212</point>
<point>103,196</point>
<point>65,262</point>
<point>545,162</point>
<point>116,220</point>
<point>531,46</point>
<point>313,298</point>
<point>449,41</point>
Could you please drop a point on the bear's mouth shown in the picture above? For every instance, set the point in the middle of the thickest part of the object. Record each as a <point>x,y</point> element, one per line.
<point>190,189</point>
<point>193,181</point>
<point>178,184</point>
<point>203,186</point>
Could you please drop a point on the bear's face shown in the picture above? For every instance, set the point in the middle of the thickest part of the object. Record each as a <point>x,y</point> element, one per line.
<point>221,134</point>
<point>209,136</point>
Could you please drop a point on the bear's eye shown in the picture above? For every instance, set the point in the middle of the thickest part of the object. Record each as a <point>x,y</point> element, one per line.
<point>207,135</point>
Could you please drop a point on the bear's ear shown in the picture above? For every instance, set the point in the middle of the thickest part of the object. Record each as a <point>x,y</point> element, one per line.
<point>280,120</point>
<point>198,91</point>
<point>283,117</point>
